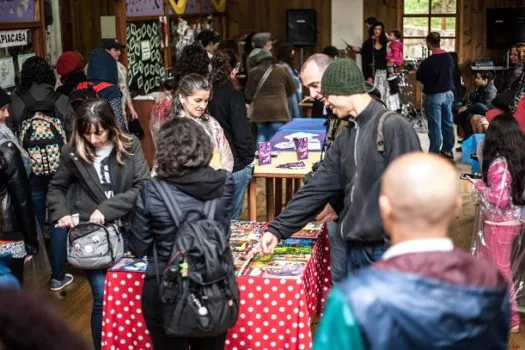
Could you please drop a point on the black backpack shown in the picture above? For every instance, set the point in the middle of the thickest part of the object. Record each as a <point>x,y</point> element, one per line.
<point>42,134</point>
<point>198,288</point>
<point>86,90</point>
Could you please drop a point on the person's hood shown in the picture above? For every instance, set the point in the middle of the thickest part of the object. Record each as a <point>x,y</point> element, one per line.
<point>102,67</point>
<point>407,311</point>
<point>204,183</point>
<point>259,55</point>
<point>75,78</point>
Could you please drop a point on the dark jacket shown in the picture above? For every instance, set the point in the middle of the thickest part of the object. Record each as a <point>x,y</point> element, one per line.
<point>353,165</point>
<point>372,59</point>
<point>271,104</point>
<point>483,95</point>
<point>228,107</point>
<point>151,222</point>
<point>435,73</point>
<point>102,68</point>
<point>70,82</point>
<point>434,300</point>
<point>63,108</point>
<point>512,76</point>
<point>76,188</point>
<point>17,221</point>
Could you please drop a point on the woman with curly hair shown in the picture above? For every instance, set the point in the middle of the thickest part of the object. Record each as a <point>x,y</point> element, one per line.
<point>193,59</point>
<point>190,101</point>
<point>183,162</point>
<point>501,195</point>
<point>228,107</point>
<point>285,57</point>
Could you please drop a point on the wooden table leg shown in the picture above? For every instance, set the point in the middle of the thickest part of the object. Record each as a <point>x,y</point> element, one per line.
<point>270,200</point>
<point>278,195</point>
<point>297,185</point>
<point>289,190</point>
<point>252,200</point>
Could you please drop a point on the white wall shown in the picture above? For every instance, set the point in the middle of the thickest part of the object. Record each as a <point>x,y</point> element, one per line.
<point>347,23</point>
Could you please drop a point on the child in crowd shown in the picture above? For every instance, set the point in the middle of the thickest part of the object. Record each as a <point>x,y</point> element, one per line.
<point>394,53</point>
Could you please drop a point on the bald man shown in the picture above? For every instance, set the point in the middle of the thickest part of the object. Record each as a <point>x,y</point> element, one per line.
<point>424,293</point>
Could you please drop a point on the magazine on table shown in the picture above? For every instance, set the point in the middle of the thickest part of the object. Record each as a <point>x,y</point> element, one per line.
<point>130,264</point>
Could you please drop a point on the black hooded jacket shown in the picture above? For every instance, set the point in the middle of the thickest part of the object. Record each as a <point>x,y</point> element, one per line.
<point>151,222</point>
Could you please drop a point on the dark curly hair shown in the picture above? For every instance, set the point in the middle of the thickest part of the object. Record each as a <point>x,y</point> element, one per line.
<point>193,59</point>
<point>36,70</point>
<point>504,139</point>
<point>222,64</point>
<point>284,54</point>
<point>183,146</point>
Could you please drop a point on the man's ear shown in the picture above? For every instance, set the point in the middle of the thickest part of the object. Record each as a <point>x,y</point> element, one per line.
<point>385,208</point>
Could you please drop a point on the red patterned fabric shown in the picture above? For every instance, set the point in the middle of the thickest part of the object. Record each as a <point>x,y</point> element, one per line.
<point>274,313</point>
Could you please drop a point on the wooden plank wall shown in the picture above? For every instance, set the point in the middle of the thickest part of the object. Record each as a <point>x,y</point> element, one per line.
<point>245,16</point>
<point>80,23</point>
<point>471,26</point>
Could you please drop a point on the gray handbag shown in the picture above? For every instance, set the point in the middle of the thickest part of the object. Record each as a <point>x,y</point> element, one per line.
<point>92,246</point>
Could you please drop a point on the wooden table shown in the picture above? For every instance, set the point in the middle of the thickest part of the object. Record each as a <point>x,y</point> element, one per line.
<point>274,183</point>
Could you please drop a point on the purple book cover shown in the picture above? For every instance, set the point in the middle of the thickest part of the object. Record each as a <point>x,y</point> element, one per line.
<point>301,147</point>
<point>265,153</point>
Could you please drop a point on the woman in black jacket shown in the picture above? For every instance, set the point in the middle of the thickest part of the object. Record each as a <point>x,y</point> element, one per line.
<point>183,159</point>
<point>228,107</point>
<point>98,178</point>
<point>18,228</point>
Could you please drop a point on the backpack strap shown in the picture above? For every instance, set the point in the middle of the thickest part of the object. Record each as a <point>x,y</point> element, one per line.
<point>173,207</point>
<point>380,137</point>
<point>102,86</point>
<point>209,208</point>
<point>28,101</point>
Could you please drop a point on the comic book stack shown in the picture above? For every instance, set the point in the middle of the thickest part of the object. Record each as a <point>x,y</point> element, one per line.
<point>288,260</point>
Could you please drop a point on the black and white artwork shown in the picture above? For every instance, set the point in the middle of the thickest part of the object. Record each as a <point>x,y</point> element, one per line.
<point>145,74</point>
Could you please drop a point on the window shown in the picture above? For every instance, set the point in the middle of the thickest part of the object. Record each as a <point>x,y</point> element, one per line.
<point>421,17</point>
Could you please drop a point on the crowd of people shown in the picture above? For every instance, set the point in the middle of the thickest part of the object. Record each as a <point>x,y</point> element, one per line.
<point>399,283</point>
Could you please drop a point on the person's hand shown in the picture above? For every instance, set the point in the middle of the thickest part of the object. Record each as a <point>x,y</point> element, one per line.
<point>370,80</point>
<point>326,215</point>
<point>28,258</point>
<point>268,243</point>
<point>97,217</point>
<point>356,49</point>
<point>134,114</point>
<point>462,109</point>
<point>66,222</point>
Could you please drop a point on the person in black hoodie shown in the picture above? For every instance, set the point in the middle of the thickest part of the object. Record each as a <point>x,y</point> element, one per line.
<point>353,165</point>
<point>228,107</point>
<point>183,159</point>
<point>69,67</point>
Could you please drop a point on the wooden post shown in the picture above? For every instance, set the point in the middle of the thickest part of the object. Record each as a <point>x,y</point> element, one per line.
<point>40,32</point>
<point>120,27</point>
<point>167,50</point>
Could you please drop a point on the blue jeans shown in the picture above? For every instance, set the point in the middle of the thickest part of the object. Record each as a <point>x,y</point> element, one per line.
<point>96,279</point>
<point>58,252</point>
<point>265,131</point>
<point>360,255</point>
<point>242,179</point>
<point>338,253</point>
<point>438,109</point>
<point>39,205</point>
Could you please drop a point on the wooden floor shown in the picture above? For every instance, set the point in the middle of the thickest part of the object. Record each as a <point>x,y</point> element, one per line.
<point>74,303</point>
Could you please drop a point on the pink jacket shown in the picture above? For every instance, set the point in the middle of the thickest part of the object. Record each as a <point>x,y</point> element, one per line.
<point>495,197</point>
<point>394,52</point>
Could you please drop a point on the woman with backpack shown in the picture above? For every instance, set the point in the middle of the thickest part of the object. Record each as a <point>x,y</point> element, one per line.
<point>501,197</point>
<point>185,180</point>
<point>98,179</point>
<point>18,227</point>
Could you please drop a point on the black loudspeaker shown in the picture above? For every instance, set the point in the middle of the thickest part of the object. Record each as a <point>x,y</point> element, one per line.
<point>301,29</point>
<point>505,27</point>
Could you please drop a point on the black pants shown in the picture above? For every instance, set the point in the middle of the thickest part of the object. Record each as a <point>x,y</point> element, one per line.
<point>151,307</point>
<point>17,268</point>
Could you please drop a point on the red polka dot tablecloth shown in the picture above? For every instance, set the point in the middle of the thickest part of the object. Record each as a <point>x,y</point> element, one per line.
<point>274,313</point>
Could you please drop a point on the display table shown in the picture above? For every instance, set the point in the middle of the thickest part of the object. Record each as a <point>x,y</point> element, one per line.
<point>274,312</point>
<point>274,177</point>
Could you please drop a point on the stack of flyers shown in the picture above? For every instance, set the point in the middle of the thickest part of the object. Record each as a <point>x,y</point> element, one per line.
<point>297,242</point>
<point>310,231</point>
<point>243,231</point>
<point>280,266</point>
<point>130,265</point>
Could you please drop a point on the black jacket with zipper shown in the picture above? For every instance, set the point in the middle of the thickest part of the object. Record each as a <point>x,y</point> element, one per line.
<point>354,165</point>
<point>76,187</point>
<point>17,221</point>
<point>151,223</point>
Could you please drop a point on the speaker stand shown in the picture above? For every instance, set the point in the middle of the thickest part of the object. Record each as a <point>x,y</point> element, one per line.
<point>301,56</point>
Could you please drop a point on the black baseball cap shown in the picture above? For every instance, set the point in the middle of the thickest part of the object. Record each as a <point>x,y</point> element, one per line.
<point>112,43</point>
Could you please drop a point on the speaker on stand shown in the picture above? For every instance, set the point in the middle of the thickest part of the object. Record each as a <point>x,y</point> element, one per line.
<point>301,29</point>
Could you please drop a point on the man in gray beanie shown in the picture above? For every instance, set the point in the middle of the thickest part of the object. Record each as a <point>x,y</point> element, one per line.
<point>354,165</point>
<point>262,43</point>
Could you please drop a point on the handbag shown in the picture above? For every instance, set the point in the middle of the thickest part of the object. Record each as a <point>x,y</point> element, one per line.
<point>265,76</point>
<point>92,246</point>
